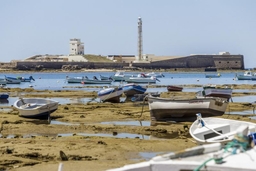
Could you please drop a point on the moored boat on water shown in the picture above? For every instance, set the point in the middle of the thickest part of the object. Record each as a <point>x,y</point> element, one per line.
<point>157,75</point>
<point>75,79</point>
<point>95,80</point>
<point>24,79</point>
<point>12,80</point>
<point>120,76</point>
<point>141,78</point>
<point>248,75</point>
<point>111,94</point>
<point>169,109</point>
<point>35,107</point>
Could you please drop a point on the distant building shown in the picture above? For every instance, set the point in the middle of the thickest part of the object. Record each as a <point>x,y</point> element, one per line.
<point>76,47</point>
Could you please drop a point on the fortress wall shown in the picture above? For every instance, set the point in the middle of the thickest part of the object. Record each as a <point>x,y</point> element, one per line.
<point>195,61</point>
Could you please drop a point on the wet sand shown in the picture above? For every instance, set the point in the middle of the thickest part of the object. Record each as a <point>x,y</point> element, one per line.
<point>36,145</point>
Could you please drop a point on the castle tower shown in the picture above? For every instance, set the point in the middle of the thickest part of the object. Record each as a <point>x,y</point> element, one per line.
<point>76,47</point>
<point>140,50</point>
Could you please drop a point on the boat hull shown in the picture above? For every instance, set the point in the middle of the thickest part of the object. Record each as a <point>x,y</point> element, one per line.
<point>87,81</point>
<point>132,89</point>
<point>35,108</point>
<point>110,95</point>
<point>164,109</point>
<point>4,96</point>
<point>174,88</point>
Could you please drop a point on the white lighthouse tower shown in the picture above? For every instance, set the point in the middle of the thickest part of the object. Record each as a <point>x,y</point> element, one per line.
<point>140,49</point>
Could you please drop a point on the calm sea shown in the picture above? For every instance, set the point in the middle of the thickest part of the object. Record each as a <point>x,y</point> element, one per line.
<point>57,81</point>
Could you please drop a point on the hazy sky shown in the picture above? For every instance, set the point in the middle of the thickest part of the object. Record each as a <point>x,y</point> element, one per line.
<point>170,27</point>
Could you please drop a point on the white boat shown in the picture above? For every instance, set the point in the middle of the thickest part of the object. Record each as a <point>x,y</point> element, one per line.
<point>75,79</point>
<point>157,75</point>
<point>212,130</point>
<point>215,92</point>
<point>142,79</point>
<point>169,109</point>
<point>120,76</point>
<point>110,94</point>
<point>248,75</point>
<point>35,107</point>
<point>237,155</point>
<point>95,80</point>
<point>3,81</point>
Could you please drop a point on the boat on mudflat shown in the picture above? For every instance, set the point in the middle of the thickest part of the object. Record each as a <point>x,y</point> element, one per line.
<point>35,107</point>
<point>215,92</point>
<point>169,109</point>
<point>237,155</point>
<point>213,129</point>
<point>4,96</point>
<point>111,94</point>
<point>174,88</point>
<point>131,89</point>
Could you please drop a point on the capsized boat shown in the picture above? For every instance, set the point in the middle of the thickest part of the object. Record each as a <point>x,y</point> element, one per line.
<point>237,155</point>
<point>174,88</point>
<point>111,94</point>
<point>170,109</point>
<point>131,89</point>
<point>35,107</point>
<point>213,129</point>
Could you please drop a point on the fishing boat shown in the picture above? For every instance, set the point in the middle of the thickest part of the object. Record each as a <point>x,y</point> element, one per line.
<point>75,79</point>
<point>35,107</point>
<point>110,94</point>
<point>12,80</point>
<point>4,96</point>
<point>24,79</point>
<point>237,155</point>
<point>141,97</point>
<point>141,78</point>
<point>157,75</point>
<point>131,89</point>
<point>213,129</point>
<point>215,92</point>
<point>174,88</point>
<point>120,76</point>
<point>170,109</point>
<point>105,77</point>
<point>212,75</point>
<point>95,80</point>
<point>3,82</point>
<point>248,75</point>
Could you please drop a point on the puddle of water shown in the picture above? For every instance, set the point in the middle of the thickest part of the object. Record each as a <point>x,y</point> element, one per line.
<point>150,155</point>
<point>129,123</point>
<point>118,135</point>
<point>54,122</point>
<point>248,99</point>
<point>245,112</point>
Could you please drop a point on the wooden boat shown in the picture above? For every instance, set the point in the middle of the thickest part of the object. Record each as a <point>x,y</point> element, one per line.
<point>3,82</point>
<point>211,130</point>
<point>110,94</point>
<point>157,75</point>
<point>35,107</point>
<point>24,79</point>
<point>237,155</point>
<point>215,92</point>
<point>248,75</point>
<point>169,109</point>
<point>142,79</point>
<point>4,96</point>
<point>12,80</point>
<point>131,89</point>
<point>95,80</point>
<point>174,88</point>
<point>212,75</point>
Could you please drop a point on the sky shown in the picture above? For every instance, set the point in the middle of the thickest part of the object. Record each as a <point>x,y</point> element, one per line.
<point>170,27</point>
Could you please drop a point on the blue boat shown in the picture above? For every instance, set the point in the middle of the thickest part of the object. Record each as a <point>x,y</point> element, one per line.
<point>4,96</point>
<point>111,94</point>
<point>23,79</point>
<point>131,89</point>
<point>212,75</point>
